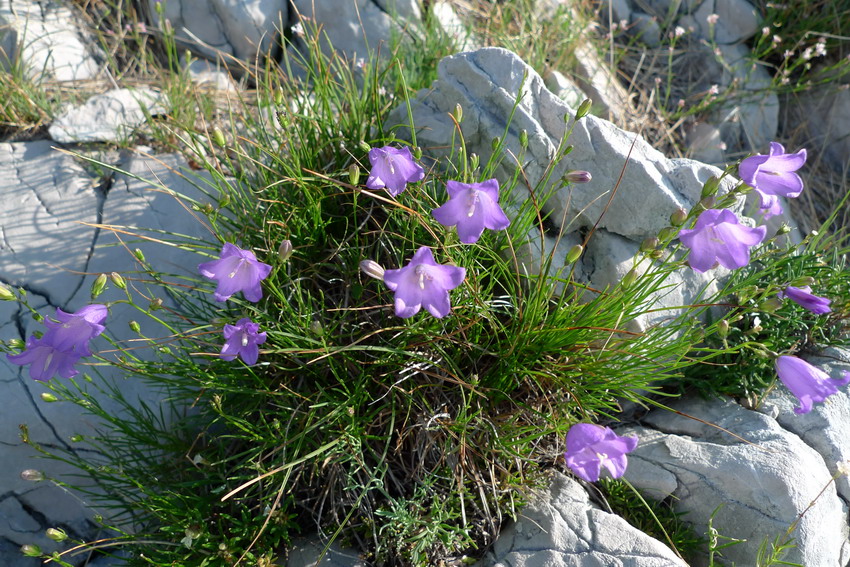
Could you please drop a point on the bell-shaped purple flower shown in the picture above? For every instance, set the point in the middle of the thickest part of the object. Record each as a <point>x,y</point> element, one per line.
<point>773,175</point>
<point>804,296</point>
<point>73,331</point>
<point>241,340</point>
<point>423,282</point>
<point>591,447</point>
<point>808,383</point>
<point>45,360</point>
<point>236,270</point>
<point>718,238</point>
<point>472,207</point>
<point>393,169</point>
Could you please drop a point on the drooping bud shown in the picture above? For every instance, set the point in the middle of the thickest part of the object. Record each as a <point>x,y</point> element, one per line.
<point>285,250</point>
<point>372,269</point>
<point>6,294</point>
<point>474,160</point>
<point>523,138</point>
<point>48,397</point>
<point>583,108</point>
<point>135,327</point>
<point>218,137</point>
<point>649,243</point>
<point>679,217</point>
<point>629,279</point>
<point>118,280</point>
<point>574,253</point>
<point>495,143</point>
<point>577,176</point>
<point>802,281</point>
<point>31,550</point>
<point>770,305</point>
<point>458,113</point>
<point>710,187</point>
<point>98,286</point>
<point>32,475</point>
<point>354,174</point>
<point>56,534</point>
<point>723,328</point>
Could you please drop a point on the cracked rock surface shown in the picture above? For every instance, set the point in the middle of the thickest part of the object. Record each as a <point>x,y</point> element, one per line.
<point>52,248</point>
<point>562,528</point>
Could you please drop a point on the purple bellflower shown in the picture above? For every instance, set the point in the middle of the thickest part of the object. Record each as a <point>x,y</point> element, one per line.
<point>591,447</point>
<point>808,383</point>
<point>773,176</point>
<point>242,339</point>
<point>472,207</point>
<point>45,360</point>
<point>393,169</point>
<point>423,282</point>
<point>718,238</point>
<point>804,296</point>
<point>236,270</point>
<point>73,331</point>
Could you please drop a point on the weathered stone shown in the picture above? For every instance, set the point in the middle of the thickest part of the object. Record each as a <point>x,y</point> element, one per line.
<point>756,484</point>
<point>645,29</point>
<point>600,84</point>
<point>564,88</point>
<point>207,74</point>
<point>615,11</point>
<point>47,37</point>
<point>827,427</point>
<point>737,20</point>
<point>823,114</point>
<point>562,528</point>
<point>242,28</point>
<point>451,24</point>
<point>704,143</point>
<point>311,552</point>
<point>109,117</point>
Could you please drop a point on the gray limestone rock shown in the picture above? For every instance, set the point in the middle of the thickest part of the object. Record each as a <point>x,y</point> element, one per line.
<point>486,84</point>
<point>312,552</point>
<point>49,39</point>
<point>824,116</point>
<point>737,20</point>
<point>52,247</point>
<point>756,475</point>
<point>562,528</point>
<point>242,28</point>
<point>564,88</point>
<point>109,117</point>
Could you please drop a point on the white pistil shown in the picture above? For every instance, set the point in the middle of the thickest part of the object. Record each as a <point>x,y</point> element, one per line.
<point>390,165</point>
<point>422,272</point>
<point>473,200</point>
<point>244,339</point>
<point>236,269</point>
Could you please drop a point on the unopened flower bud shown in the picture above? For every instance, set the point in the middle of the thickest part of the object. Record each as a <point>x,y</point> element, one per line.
<point>364,146</point>
<point>354,174</point>
<point>583,108</point>
<point>710,187</point>
<point>31,550</point>
<point>802,281</point>
<point>679,217</point>
<point>474,160</point>
<point>98,286</point>
<point>278,97</point>
<point>218,137</point>
<point>118,280</point>
<point>16,344</point>
<point>707,202</point>
<point>574,253</point>
<point>6,294</point>
<point>523,138</point>
<point>135,327</point>
<point>76,438</point>
<point>285,250</point>
<point>458,113</point>
<point>723,328</point>
<point>649,243</point>
<point>372,269</point>
<point>56,534</point>
<point>630,278</point>
<point>577,176</point>
<point>668,233</point>
<point>208,209</point>
<point>770,305</point>
<point>569,149</point>
<point>48,397</point>
<point>495,143</point>
<point>783,229</point>
<point>139,254</point>
<point>316,327</point>
<point>156,303</point>
<point>32,475</point>
<point>417,153</point>
<point>224,201</point>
